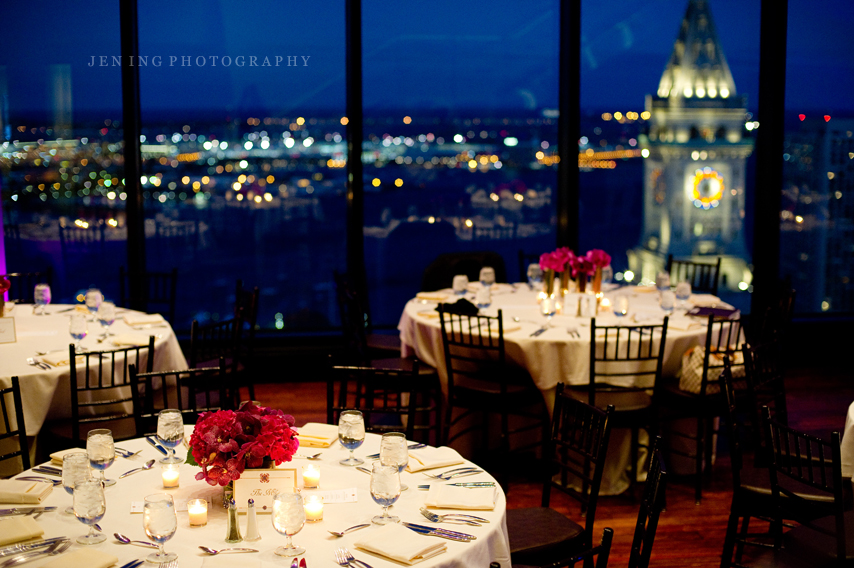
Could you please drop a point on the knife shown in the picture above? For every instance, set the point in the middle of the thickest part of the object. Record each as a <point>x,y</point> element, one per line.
<point>157,446</point>
<point>25,510</point>
<point>469,485</point>
<point>16,548</point>
<point>52,468</point>
<point>540,331</point>
<point>133,564</point>
<point>42,479</point>
<point>46,471</point>
<point>444,533</point>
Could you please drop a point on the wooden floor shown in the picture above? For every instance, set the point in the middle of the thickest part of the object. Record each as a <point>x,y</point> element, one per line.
<point>688,534</point>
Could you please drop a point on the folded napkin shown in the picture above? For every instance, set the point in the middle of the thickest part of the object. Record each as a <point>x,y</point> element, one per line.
<point>462,307</point>
<point>684,324</point>
<point>429,314</point>
<point>129,340</point>
<point>58,358</point>
<point>645,317</point>
<point>19,529</point>
<point>432,296</point>
<point>401,544</point>
<point>83,558</point>
<point>23,492</point>
<point>507,326</point>
<point>56,457</point>
<point>315,435</point>
<point>450,497</point>
<point>143,319</point>
<point>645,289</point>
<point>430,458</point>
<point>705,300</point>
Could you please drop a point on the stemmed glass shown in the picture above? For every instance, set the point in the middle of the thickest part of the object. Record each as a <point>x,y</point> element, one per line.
<point>75,469</point>
<point>41,296</point>
<point>288,519</point>
<point>548,307</point>
<point>89,508</point>
<point>160,522</point>
<point>487,276</point>
<point>101,451</point>
<point>351,434</point>
<point>621,306</point>
<point>78,329</point>
<point>535,276</point>
<point>93,300</point>
<point>683,292</point>
<point>385,490</point>
<point>170,432</point>
<point>106,316</point>
<point>395,451</point>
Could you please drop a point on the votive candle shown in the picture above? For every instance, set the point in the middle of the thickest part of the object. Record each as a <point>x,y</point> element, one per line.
<point>310,476</point>
<point>198,511</point>
<point>314,508</point>
<point>170,474</point>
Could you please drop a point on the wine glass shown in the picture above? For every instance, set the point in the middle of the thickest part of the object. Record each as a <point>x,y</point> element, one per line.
<point>395,451</point>
<point>667,300</point>
<point>93,300</point>
<point>41,296</point>
<point>487,276</point>
<point>548,307</point>
<point>288,519</point>
<point>160,522</point>
<point>75,468</point>
<point>621,306</point>
<point>89,508</point>
<point>170,432</point>
<point>385,490</point>
<point>683,292</point>
<point>106,316</point>
<point>101,451</point>
<point>460,284</point>
<point>535,276</point>
<point>351,434</point>
<point>78,329</point>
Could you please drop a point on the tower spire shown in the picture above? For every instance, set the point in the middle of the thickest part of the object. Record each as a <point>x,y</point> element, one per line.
<point>697,66</point>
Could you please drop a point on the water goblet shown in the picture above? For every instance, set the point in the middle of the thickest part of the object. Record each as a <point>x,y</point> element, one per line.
<point>75,468</point>
<point>483,298</point>
<point>487,276</point>
<point>395,451</point>
<point>662,281</point>
<point>288,519</point>
<point>621,306</point>
<point>461,284</point>
<point>170,432</point>
<point>78,328</point>
<point>101,452</point>
<point>667,300</point>
<point>535,276</point>
<point>41,296</point>
<point>93,300</point>
<point>548,308</point>
<point>683,292</point>
<point>160,522</point>
<point>89,508</point>
<point>385,490</point>
<point>351,434</point>
<point>106,316</point>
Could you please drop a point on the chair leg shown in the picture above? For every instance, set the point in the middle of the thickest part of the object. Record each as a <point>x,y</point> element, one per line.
<point>742,537</point>
<point>729,539</point>
<point>698,460</point>
<point>634,457</point>
<point>710,445</point>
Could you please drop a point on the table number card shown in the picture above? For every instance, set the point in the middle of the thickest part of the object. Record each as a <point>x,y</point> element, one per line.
<point>7,330</point>
<point>262,485</point>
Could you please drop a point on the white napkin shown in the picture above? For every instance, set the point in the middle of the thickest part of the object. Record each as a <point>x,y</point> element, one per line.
<point>450,497</point>
<point>704,300</point>
<point>58,358</point>
<point>429,314</point>
<point>83,558</point>
<point>56,457</point>
<point>647,317</point>
<point>430,458</point>
<point>129,340</point>
<point>143,319</point>
<point>684,324</point>
<point>18,529</point>
<point>431,296</point>
<point>401,544</point>
<point>316,435</point>
<point>23,492</point>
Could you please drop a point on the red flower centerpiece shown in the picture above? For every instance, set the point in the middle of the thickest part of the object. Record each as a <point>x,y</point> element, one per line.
<point>226,442</point>
<point>581,269</point>
<point>599,259</point>
<point>4,287</point>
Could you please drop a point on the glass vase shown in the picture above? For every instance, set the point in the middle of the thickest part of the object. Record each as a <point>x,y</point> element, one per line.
<point>581,279</point>
<point>597,281</point>
<point>548,283</point>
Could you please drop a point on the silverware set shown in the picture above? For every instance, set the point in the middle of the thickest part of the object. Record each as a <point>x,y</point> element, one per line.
<point>452,473</point>
<point>345,558</point>
<point>441,533</point>
<point>470,485</point>
<point>40,364</point>
<point>457,518</point>
<point>52,549</point>
<point>28,511</point>
<point>574,333</point>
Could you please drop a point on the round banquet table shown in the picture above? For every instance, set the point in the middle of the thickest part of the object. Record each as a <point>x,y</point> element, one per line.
<point>491,544</point>
<point>847,446</point>
<point>45,393</point>
<point>562,352</point>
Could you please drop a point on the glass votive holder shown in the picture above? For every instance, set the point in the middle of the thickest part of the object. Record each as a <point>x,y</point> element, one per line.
<point>198,512</point>
<point>310,476</point>
<point>314,508</point>
<point>170,474</point>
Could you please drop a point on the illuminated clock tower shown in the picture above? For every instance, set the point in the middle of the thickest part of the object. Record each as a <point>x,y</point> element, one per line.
<point>695,152</point>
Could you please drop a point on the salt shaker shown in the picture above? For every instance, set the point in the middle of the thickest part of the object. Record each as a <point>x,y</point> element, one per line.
<point>252,533</point>
<point>232,534</point>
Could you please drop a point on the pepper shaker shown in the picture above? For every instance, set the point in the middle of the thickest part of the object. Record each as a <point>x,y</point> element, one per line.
<point>232,535</point>
<point>252,533</point>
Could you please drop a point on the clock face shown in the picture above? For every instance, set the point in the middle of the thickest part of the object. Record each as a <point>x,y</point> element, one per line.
<point>708,188</point>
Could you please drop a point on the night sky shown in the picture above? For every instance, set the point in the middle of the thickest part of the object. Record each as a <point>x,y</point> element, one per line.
<point>480,56</point>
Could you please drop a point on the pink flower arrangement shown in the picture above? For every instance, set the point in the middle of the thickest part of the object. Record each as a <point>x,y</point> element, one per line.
<point>4,285</point>
<point>557,260</point>
<point>581,265</point>
<point>599,258</point>
<point>226,442</point>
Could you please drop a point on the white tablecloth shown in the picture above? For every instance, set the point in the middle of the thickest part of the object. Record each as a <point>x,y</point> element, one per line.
<point>46,392</point>
<point>555,355</point>
<point>491,544</point>
<point>847,448</point>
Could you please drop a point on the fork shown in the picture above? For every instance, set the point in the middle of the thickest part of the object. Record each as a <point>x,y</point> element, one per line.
<point>454,473</point>
<point>453,518</point>
<point>41,365</point>
<point>57,548</point>
<point>345,558</point>
<point>172,564</point>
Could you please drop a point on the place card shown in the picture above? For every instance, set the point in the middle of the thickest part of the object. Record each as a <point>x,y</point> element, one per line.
<point>7,330</point>
<point>262,485</point>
